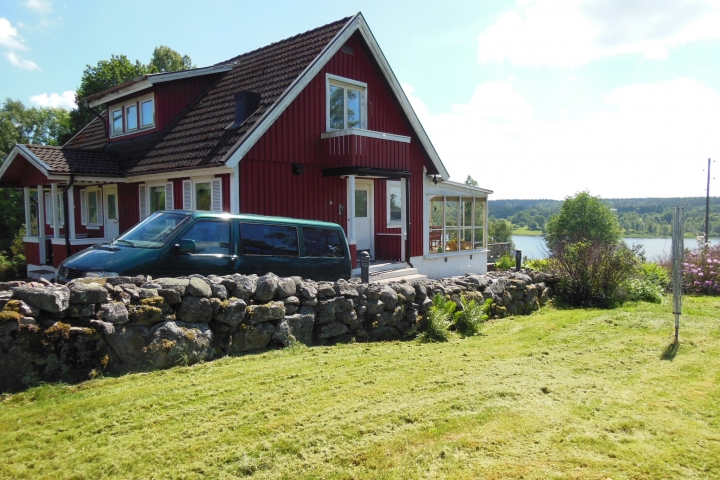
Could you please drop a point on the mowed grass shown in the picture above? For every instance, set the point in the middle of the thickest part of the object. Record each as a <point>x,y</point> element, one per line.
<point>527,232</point>
<point>559,394</point>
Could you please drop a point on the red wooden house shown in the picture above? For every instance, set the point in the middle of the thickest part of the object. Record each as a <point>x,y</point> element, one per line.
<point>315,126</point>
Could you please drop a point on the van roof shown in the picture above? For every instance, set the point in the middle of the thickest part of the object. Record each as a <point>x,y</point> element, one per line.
<point>257,218</point>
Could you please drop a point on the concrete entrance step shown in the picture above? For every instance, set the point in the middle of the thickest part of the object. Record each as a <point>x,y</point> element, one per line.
<point>396,275</point>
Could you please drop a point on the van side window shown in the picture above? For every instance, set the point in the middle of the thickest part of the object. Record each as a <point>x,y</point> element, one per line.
<point>322,242</point>
<point>259,239</point>
<point>211,238</point>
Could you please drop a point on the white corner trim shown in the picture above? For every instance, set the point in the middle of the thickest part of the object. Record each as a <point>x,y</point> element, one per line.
<point>238,151</point>
<point>361,132</point>
<point>130,89</point>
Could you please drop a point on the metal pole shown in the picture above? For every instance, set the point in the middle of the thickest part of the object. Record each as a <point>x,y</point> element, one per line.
<point>364,266</point>
<point>707,207</point>
<point>678,250</point>
<point>518,260</point>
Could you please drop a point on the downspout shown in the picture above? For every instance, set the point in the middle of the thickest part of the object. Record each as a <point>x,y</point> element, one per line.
<point>66,214</point>
<point>407,221</point>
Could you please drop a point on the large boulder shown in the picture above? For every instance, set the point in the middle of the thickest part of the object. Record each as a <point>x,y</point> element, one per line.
<point>178,343</point>
<point>389,297</point>
<point>267,287</point>
<point>115,313</point>
<point>50,299</point>
<point>87,293</point>
<point>251,337</point>
<point>177,284</point>
<point>343,287</point>
<point>128,343</point>
<point>325,289</point>
<point>172,293</point>
<point>266,312</point>
<point>404,289</point>
<point>297,327</point>
<point>231,312</point>
<point>245,286</point>
<point>199,288</point>
<point>308,290</point>
<point>286,287</point>
<point>195,310</point>
<point>332,330</point>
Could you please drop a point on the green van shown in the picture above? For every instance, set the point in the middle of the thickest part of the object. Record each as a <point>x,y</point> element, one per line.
<point>176,243</point>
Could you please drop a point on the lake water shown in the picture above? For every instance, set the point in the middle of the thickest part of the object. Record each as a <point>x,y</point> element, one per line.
<point>534,247</point>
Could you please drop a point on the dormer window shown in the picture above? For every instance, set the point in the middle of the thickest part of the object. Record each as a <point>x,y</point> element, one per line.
<point>346,103</point>
<point>137,114</point>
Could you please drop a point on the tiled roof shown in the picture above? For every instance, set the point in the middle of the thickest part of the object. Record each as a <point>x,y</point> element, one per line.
<point>65,160</point>
<point>198,136</point>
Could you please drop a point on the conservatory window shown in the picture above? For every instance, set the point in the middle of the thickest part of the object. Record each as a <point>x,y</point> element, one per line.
<point>456,224</point>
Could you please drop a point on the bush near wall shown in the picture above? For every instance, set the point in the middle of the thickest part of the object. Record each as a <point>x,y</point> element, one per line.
<point>90,326</point>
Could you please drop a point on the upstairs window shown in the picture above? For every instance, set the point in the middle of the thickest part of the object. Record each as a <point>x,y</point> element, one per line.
<point>130,117</point>
<point>346,103</point>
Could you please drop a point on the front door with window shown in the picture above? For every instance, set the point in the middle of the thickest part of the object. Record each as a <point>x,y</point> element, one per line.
<point>364,226</point>
<point>112,224</point>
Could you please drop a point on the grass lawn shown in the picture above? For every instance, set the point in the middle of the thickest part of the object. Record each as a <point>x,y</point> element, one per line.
<point>527,232</point>
<point>559,394</point>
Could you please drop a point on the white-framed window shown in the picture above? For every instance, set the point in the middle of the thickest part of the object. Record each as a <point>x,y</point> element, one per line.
<point>203,194</point>
<point>346,103</point>
<point>394,203</point>
<point>456,223</point>
<point>48,209</point>
<point>91,212</point>
<point>154,197</point>
<point>132,116</point>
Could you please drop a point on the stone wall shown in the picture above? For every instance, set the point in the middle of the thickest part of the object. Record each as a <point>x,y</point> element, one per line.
<point>72,332</point>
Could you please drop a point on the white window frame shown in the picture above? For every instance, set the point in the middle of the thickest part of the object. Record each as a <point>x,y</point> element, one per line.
<point>216,193</point>
<point>126,118</point>
<point>476,200</point>
<point>394,223</point>
<point>346,83</point>
<point>48,209</point>
<point>123,108</point>
<point>85,207</point>
<point>144,197</point>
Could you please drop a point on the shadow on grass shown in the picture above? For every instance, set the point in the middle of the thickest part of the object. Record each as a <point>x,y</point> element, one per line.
<point>670,351</point>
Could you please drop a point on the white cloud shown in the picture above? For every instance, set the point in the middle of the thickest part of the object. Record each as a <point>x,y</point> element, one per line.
<point>22,62</point>
<point>66,100</point>
<point>9,36</point>
<point>575,32</point>
<point>40,6</point>
<point>652,141</point>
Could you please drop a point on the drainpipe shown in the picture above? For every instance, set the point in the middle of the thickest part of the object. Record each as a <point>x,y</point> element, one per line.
<point>66,214</point>
<point>407,221</point>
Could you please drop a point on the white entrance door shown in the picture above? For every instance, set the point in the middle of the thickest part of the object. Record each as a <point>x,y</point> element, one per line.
<point>364,227</point>
<point>112,225</point>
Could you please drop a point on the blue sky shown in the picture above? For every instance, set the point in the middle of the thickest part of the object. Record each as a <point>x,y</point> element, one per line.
<point>533,98</point>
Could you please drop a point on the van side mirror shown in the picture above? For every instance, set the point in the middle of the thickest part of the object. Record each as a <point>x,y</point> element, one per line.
<point>185,246</point>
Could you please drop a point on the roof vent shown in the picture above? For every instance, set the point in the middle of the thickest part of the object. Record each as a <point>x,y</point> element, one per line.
<point>246,102</point>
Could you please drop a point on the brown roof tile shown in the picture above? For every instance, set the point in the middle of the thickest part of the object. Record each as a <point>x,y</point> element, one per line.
<point>64,160</point>
<point>198,136</point>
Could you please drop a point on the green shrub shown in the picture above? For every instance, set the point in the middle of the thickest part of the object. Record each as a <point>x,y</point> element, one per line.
<point>472,316</point>
<point>537,265</point>
<point>436,323</point>
<point>505,262</point>
<point>640,289</point>
<point>657,274</point>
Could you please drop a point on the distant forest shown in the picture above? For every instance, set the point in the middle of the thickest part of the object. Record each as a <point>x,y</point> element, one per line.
<point>639,216</point>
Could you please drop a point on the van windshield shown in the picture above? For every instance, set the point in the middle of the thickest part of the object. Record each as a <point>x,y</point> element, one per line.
<point>154,231</point>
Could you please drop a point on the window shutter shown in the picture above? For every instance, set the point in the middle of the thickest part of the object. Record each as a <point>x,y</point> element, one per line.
<point>217,195</point>
<point>169,200</point>
<point>61,213</point>
<point>187,195</point>
<point>101,212</point>
<point>48,209</point>
<point>83,207</point>
<point>142,188</point>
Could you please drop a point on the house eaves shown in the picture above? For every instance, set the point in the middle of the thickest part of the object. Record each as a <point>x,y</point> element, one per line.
<point>147,81</point>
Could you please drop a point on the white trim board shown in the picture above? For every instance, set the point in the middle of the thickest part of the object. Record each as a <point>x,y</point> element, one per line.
<point>361,132</point>
<point>357,23</point>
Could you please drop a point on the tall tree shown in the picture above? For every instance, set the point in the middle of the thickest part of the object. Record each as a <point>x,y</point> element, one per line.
<point>106,74</point>
<point>165,59</point>
<point>471,181</point>
<point>19,124</point>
